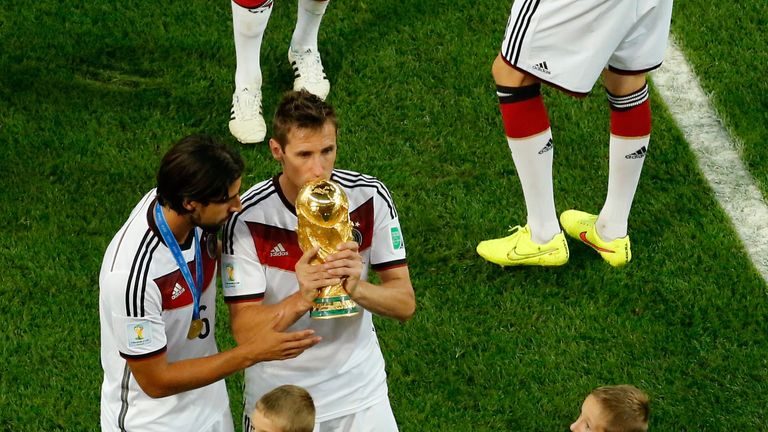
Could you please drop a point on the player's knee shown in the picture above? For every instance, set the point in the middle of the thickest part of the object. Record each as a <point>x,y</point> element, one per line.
<point>622,84</point>
<point>248,16</point>
<point>506,75</point>
<point>499,69</point>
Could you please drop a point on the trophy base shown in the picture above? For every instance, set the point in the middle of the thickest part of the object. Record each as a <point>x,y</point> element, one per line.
<point>334,307</point>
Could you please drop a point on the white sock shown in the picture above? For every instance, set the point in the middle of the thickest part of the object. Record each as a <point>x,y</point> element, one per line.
<point>626,164</point>
<point>308,18</point>
<point>249,26</point>
<point>533,160</point>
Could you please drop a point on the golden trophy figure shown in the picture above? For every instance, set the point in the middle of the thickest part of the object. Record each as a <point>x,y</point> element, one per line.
<point>323,211</point>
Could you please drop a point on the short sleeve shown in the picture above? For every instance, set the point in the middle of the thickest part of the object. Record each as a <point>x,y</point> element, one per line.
<point>242,274</point>
<point>388,245</point>
<point>136,326</point>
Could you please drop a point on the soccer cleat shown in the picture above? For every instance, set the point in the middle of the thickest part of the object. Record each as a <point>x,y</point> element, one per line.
<point>518,249</point>
<point>581,226</point>
<point>308,72</point>
<point>246,122</point>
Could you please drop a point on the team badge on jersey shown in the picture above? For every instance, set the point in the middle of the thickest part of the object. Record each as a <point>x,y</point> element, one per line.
<point>138,333</point>
<point>211,244</point>
<point>357,236</point>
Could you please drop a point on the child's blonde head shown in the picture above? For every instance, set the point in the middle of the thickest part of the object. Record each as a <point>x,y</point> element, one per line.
<point>626,407</point>
<point>288,408</point>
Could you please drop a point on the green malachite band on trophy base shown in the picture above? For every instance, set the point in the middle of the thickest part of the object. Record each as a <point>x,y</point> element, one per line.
<point>334,312</point>
<point>323,300</point>
<point>333,307</point>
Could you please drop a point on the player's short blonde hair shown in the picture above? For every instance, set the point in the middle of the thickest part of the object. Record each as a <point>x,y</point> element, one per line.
<point>626,406</point>
<point>288,407</point>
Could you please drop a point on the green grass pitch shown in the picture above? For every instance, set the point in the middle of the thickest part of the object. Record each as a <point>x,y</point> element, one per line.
<point>93,93</point>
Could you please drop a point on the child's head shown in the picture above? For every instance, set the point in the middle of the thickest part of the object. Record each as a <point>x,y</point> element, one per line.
<point>621,408</point>
<point>287,408</point>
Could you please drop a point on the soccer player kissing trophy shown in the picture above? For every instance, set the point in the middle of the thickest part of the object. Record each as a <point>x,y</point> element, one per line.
<point>323,212</point>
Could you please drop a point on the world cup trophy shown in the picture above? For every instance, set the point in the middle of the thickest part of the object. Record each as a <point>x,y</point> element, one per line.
<point>323,211</point>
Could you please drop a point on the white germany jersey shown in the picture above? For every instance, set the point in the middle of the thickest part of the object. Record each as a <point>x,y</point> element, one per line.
<point>145,308</point>
<point>344,373</point>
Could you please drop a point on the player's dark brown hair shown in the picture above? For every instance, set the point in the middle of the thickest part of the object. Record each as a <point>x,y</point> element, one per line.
<point>627,407</point>
<point>289,407</point>
<point>301,109</point>
<point>199,169</point>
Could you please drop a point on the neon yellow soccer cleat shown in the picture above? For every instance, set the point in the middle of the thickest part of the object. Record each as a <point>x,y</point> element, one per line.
<point>518,249</point>
<point>581,226</point>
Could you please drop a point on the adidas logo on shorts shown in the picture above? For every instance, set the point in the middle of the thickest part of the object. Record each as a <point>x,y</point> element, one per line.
<point>278,251</point>
<point>541,67</point>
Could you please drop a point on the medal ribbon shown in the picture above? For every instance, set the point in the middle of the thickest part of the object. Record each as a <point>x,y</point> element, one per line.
<point>173,245</point>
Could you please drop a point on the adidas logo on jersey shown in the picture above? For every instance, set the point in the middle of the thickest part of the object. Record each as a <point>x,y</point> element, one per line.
<point>278,251</point>
<point>177,291</point>
<point>547,147</point>
<point>541,67</point>
<point>638,154</point>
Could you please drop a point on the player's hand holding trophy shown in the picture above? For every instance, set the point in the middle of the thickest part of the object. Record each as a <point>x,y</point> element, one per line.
<point>323,211</point>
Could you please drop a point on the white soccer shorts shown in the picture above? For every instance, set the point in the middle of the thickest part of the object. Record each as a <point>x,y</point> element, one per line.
<point>568,43</point>
<point>376,418</point>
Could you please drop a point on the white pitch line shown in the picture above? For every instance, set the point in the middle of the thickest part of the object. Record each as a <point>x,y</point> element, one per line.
<point>717,155</point>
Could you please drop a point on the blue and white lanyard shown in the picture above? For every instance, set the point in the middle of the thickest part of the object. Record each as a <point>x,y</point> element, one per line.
<point>173,245</point>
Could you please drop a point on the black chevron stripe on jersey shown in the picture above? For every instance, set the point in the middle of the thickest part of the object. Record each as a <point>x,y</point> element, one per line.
<point>142,246</point>
<point>511,51</point>
<point>140,282</point>
<point>254,194</point>
<point>352,180</point>
<point>353,176</point>
<point>137,279</point>
<point>250,199</point>
<point>145,274</point>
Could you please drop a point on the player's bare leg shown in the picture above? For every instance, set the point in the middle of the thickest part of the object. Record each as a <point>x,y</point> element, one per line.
<point>619,84</point>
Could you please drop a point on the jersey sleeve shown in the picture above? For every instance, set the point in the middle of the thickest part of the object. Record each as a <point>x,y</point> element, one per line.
<point>136,326</point>
<point>388,245</point>
<point>242,274</point>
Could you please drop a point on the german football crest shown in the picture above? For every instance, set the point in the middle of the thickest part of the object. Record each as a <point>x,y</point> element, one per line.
<point>211,244</point>
<point>357,236</point>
